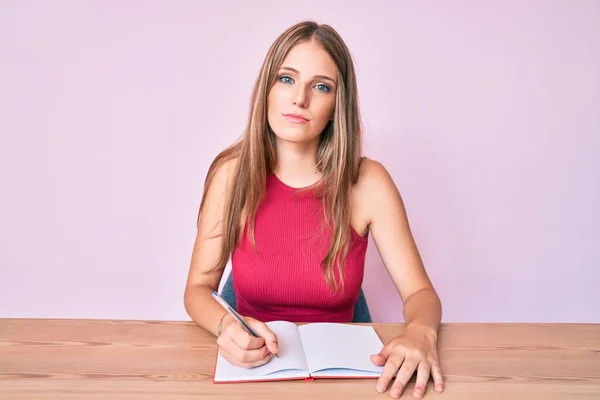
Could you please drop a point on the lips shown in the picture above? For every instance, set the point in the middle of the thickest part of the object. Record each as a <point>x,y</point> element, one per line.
<point>295,118</point>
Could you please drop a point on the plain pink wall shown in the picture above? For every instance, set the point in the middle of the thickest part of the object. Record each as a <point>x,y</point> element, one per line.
<point>487,114</point>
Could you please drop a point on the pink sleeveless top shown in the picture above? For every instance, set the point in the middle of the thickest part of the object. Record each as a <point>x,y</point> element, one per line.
<point>283,280</point>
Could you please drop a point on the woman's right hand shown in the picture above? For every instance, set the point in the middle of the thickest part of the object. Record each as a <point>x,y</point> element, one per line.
<point>242,349</point>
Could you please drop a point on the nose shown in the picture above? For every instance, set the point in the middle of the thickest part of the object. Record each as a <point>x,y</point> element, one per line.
<point>301,97</point>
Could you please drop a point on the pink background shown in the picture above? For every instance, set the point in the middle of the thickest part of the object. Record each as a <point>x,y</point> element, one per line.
<point>487,115</point>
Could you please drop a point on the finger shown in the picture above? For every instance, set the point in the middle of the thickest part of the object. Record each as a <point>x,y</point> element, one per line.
<point>240,354</point>
<point>406,371</point>
<point>227,356</point>
<point>438,380</point>
<point>381,357</point>
<point>422,378</point>
<point>260,362</point>
<point>243,339</point>
<point>249,356</point>
<point>270,339</point>
<point>248,364</point>
<point>389,370</point>
<point>378,359</point>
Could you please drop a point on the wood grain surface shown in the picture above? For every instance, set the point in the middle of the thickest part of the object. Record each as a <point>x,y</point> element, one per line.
<point>103,359</point>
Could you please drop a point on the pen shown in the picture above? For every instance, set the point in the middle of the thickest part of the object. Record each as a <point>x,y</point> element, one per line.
<point>235,315</point>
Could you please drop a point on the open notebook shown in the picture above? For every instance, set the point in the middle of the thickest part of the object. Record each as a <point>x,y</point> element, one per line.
<point>315,350</point>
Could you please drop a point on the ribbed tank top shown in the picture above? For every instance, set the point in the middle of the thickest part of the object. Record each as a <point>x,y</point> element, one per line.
<point>283,279</point>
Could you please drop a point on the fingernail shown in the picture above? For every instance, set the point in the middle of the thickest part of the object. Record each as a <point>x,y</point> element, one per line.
<point>395,393</point>
<point>276,355</point>
<point>438,387</point>
<point>380,388</point>
<point>418,393</point>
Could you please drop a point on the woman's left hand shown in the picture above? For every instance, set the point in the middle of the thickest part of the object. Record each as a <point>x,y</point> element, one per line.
<point>414,349</point>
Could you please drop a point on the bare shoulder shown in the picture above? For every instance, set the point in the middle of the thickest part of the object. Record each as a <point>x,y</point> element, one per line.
<point>375,182</point>
<point>374,191</point>
<point>221,173</point>
<point>218,183</point>
<point>373,174</point>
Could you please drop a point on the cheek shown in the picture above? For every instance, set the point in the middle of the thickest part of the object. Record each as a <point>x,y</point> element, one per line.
<point>274,103</point>
<point>325,108</point>
<point>271,110</point>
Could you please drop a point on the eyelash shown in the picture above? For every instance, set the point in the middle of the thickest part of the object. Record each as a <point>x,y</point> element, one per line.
<point>326,90</point>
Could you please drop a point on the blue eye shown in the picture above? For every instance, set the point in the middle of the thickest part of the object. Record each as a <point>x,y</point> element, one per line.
<point>323,88</point>
<point>286,79</point>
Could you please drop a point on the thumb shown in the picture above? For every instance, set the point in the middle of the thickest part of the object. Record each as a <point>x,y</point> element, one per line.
<point>270,337</point>
<point>381,357</point>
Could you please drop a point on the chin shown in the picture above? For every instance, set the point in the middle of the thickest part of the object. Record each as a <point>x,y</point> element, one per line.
<point>294,135</point>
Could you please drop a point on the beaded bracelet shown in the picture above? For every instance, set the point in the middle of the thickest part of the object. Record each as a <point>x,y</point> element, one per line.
<point>219,326</point>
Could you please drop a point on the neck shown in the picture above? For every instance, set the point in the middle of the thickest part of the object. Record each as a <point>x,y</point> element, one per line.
<point>296,163</point>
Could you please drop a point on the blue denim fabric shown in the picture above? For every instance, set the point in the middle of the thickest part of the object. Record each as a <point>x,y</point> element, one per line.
<point>361,308</point>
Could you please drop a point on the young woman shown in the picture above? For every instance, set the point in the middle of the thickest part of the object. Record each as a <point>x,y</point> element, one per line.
<point>292,204</point>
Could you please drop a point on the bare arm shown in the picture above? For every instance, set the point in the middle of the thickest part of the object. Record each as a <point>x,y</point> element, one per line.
<point>415,349</point>
<point>236,345</point>
<point>392,235</point>
<point>199,304</point>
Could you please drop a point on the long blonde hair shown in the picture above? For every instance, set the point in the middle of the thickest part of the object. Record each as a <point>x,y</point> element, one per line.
<point>338,157</point>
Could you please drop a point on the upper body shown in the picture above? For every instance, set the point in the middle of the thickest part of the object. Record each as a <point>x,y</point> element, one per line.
<point>304,131</point>
<point>282,278</point>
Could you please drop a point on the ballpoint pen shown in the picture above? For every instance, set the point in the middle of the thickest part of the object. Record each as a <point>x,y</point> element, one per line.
<point>235,315</point>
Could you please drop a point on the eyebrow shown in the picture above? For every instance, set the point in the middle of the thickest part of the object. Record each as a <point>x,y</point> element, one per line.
<point>325,77</point>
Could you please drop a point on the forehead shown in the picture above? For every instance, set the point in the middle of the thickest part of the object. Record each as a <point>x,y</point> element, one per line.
<point>310,58</point>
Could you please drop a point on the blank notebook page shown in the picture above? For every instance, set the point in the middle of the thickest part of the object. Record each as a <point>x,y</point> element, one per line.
<point>338,346</point>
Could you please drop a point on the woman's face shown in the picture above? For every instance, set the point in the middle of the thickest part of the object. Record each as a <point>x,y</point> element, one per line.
<point>302,100</point>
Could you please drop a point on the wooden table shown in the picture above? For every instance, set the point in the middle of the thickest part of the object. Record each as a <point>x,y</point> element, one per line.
<point>97,359</point>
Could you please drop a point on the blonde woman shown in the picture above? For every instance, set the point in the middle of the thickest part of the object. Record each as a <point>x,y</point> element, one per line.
<point>292,204</point>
